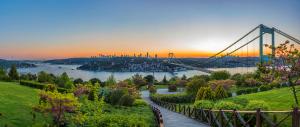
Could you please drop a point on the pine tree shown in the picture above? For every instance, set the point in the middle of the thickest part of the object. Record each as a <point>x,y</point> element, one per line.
<point>208,94</point>
<point>220,92</point>
<point>13,73</point>
<point>200,93</point>
<point>165,81</point>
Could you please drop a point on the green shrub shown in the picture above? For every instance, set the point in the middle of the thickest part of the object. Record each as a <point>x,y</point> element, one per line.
<point>140,102</point>
<point>253,105</point>
<point>172,88</point>
<point>115,95</point>
<point>227,105</point>
<point>200,92</point>
<point>173,98</point>
<point>226,84</point>
<point>194,85</point>
<point>251,82</point>
<point>220,75</point>
<point>50,87</point>
<point>204,104</point>
<point>126,100</point>
<point>32,84</point>
<point>240,80</point>
<point>208,94</point>
<point>220,92</point>
<point>205,93</point>
<point>118,120</point>
<point>247,91</point>
<point>265,88</point>
<point>152,89</point>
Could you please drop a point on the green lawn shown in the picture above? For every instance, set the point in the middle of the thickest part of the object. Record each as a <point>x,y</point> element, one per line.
<point>278,99</point>
<point>16,103</point>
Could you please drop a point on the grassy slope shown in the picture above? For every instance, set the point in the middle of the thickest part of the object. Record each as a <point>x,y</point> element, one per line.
<point>16,103</point>
<point>278,99</point>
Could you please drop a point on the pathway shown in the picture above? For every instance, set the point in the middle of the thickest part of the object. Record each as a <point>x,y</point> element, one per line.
<point>170,118</point>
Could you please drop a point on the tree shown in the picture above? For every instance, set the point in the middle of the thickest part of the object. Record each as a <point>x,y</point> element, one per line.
<point>44,77</point>
<point>3,75</point>
<point>183,77</point>
<point>78,81</point>
<point>111,81</point>
<point>58,105</point>
<point>13,73</point>
<point>220,92</point>
<point>149,79</point>
<point>194,85</point>
<point>208,94</point>
<point>286,64</point>
<point>220,75</point>
<point>64,81</point>
<point>165,81</point>
<point>95,80</point>
<point>138,81</point>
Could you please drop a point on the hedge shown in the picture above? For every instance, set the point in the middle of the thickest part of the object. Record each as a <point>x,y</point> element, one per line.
<point>247,91</point>
<point>173,98</point>
<point>38,85</point>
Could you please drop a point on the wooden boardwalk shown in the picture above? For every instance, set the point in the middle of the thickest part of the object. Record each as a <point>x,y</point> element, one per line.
<point>173,119</point>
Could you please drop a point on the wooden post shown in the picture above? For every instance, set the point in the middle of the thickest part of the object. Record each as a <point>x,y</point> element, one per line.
<point>295,117</point>
<point>221,117</point>
<point>184,110</point>
<point>258,118</point>
<point>189,111</point>
<point>234,118</point>
<point>209,117</point>
<point>179,108</point>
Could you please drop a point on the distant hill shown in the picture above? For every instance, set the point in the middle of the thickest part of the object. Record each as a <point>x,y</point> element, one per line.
<point>18,63</point>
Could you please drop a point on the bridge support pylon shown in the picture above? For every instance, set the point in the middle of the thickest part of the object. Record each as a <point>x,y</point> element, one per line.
<point>262,30</point>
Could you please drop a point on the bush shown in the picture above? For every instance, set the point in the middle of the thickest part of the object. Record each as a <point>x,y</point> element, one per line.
<point>227,105</point>
<point>247,91</point>
<point>121,120</point>
<point>194,85</point>
<point>265,88</point>
<point>220,75</point>
<point>126,100</point>
<point>208,94</point>
<point>95,80</point>
<point>32,84</point>
<point>152,89</point>
<point>220,93</point>
<point>173,98</point>
<point>172,88</point>
<point>115,95</point>
<point>200,93</point>
<point>253,105</point>
<point>240,80</point>
<point>226,84</point>
<point>204,104</point>
<point>140,102</point>
<point>251,82</point>
<point>241,101</point>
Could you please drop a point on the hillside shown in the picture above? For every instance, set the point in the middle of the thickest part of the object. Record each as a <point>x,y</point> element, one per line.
<point>16,104</point>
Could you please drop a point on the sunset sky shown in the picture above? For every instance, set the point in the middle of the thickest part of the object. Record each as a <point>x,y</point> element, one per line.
<point>47,29</point>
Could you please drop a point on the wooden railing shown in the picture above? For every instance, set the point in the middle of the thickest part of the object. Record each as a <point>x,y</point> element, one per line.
<point>158,116</point>
<point>236,118</point>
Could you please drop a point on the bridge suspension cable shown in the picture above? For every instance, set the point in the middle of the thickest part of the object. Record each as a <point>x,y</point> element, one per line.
<point>234,43</point>
<point>235,49</point>
<point>287,35</point>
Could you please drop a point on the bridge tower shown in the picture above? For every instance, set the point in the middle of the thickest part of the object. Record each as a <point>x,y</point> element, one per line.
<point>262,30</point>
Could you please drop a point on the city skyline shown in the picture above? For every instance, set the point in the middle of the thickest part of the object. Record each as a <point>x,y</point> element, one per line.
<point>65,29</point>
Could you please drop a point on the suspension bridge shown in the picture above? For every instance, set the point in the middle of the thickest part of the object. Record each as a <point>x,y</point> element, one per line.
<point>234,56</point>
